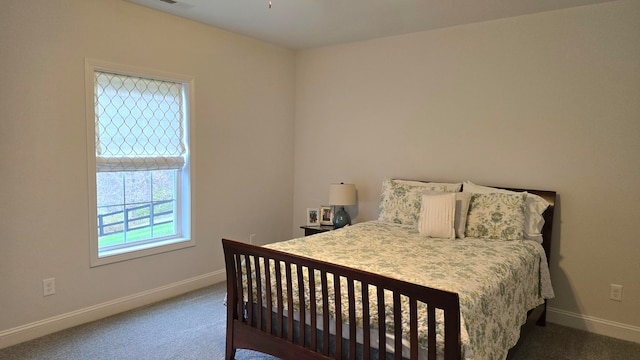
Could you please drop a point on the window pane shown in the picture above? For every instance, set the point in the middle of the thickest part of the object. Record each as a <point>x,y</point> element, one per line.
<point>110,225</point>
<point>164,218</point>
<point>163,185</point>
<point>110,188</point>
<point>137,187</point>
<point>138,226</point>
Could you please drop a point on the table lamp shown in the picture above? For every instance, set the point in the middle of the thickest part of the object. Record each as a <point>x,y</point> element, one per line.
<point>342,195</point>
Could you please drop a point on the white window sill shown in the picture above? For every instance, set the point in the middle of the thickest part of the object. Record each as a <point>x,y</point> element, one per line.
<point>138,251</point>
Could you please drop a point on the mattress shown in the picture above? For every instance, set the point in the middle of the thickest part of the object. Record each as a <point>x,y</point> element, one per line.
<point>497,281</point>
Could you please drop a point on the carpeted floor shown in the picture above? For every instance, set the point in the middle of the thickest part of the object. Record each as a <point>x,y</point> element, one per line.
<point>192,326</point>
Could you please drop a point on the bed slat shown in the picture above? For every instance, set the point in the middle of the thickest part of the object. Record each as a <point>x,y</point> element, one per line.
<point>431,336</point>
<point>397,327</point>
<point>366,326</point>
<point>259,294</point>
<point>267,286</point>
<point>313,314</point>
<point>239,291</point>
<point>289,301</point>
<point>381,324</point>
<point>249,309</point>
<point>325,312</point>
<point>352,320</point>
<point>279,300</point>
<point>413,328</point>
<point>302,328</point>
<point>338,312</point>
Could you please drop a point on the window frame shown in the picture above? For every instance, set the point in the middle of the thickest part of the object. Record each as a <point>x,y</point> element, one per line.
<point>184,177</point>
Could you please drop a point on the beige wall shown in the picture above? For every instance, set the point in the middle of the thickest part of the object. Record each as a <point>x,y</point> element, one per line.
<point>243,122</point>
<point>547,101</point>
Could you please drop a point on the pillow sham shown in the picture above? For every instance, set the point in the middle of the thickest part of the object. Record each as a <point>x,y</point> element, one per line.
<point>496,216</point>
<point>437,215</point>
<point>400,199</point>
<point>534,208</point>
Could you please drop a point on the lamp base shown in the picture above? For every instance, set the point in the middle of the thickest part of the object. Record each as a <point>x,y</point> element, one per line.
<point>341,218</point>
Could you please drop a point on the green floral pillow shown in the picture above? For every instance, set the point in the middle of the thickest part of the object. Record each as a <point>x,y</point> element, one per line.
<point>400,199</point>
<point>496,216</point>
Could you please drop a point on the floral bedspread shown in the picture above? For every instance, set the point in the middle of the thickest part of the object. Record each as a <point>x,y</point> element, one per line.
<point>497,281</point>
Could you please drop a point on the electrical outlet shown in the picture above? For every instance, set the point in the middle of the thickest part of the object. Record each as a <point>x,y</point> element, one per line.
<point>615,292</point>
<point>252,238</point>
<point>48,286</point>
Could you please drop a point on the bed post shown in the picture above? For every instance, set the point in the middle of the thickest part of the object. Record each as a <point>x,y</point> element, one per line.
<point>232,305</point>
<point>547,230</point>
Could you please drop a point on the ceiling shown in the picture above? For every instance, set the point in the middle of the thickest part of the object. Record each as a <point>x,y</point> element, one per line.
<point>302,24</point>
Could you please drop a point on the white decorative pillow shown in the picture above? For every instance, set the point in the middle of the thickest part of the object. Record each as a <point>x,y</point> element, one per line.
<point>437,215</point>
<point>534,208</point>
<point>496,216</point>
<point>462,208</point>
<point>400,199</point>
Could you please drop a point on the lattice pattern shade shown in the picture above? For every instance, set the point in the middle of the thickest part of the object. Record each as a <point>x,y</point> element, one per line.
<point>139,123</point>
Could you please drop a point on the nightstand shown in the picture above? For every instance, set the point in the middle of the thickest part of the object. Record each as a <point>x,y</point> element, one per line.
<point>315,229</point>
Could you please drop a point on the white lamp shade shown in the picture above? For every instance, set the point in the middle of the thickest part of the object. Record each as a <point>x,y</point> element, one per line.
<point>342,194</point>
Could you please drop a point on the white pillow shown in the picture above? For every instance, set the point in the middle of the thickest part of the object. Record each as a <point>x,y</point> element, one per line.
<point>437,215</point>
<point>462,209</point>
<point>533,209</point>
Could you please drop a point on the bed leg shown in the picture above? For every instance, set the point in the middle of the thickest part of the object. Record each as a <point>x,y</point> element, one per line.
<point>230,350</point>
<point>542,320</point>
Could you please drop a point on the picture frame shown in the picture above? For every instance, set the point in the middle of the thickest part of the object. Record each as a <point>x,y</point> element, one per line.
<point>326,215</point>
<point>313,217</point>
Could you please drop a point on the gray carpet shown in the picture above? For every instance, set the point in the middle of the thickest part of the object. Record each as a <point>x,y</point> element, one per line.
<point>192,326</point>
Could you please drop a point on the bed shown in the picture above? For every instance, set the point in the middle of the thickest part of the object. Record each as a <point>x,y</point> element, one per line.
<point>413,284</point>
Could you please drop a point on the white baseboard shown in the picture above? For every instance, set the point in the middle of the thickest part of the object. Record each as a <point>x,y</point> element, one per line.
<point>60,322</point>
<point>594,325</point>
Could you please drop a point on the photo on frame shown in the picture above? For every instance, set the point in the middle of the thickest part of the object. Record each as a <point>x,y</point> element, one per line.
<point>326,215</point>
<point>313,217</point>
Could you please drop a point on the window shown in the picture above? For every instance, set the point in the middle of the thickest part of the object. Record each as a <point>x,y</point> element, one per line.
<point>138,163</point>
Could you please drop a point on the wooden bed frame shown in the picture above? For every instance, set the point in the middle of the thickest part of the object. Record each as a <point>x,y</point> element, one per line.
<point>266,327</point>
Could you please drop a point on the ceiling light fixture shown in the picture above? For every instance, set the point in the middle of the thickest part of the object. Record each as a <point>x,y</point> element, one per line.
<point>269,4</point>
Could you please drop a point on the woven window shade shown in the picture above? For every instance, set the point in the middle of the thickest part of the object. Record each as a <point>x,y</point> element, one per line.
<point>139,123</point>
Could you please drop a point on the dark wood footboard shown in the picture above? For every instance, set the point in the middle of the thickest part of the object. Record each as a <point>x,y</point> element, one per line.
<point>262,320</point>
